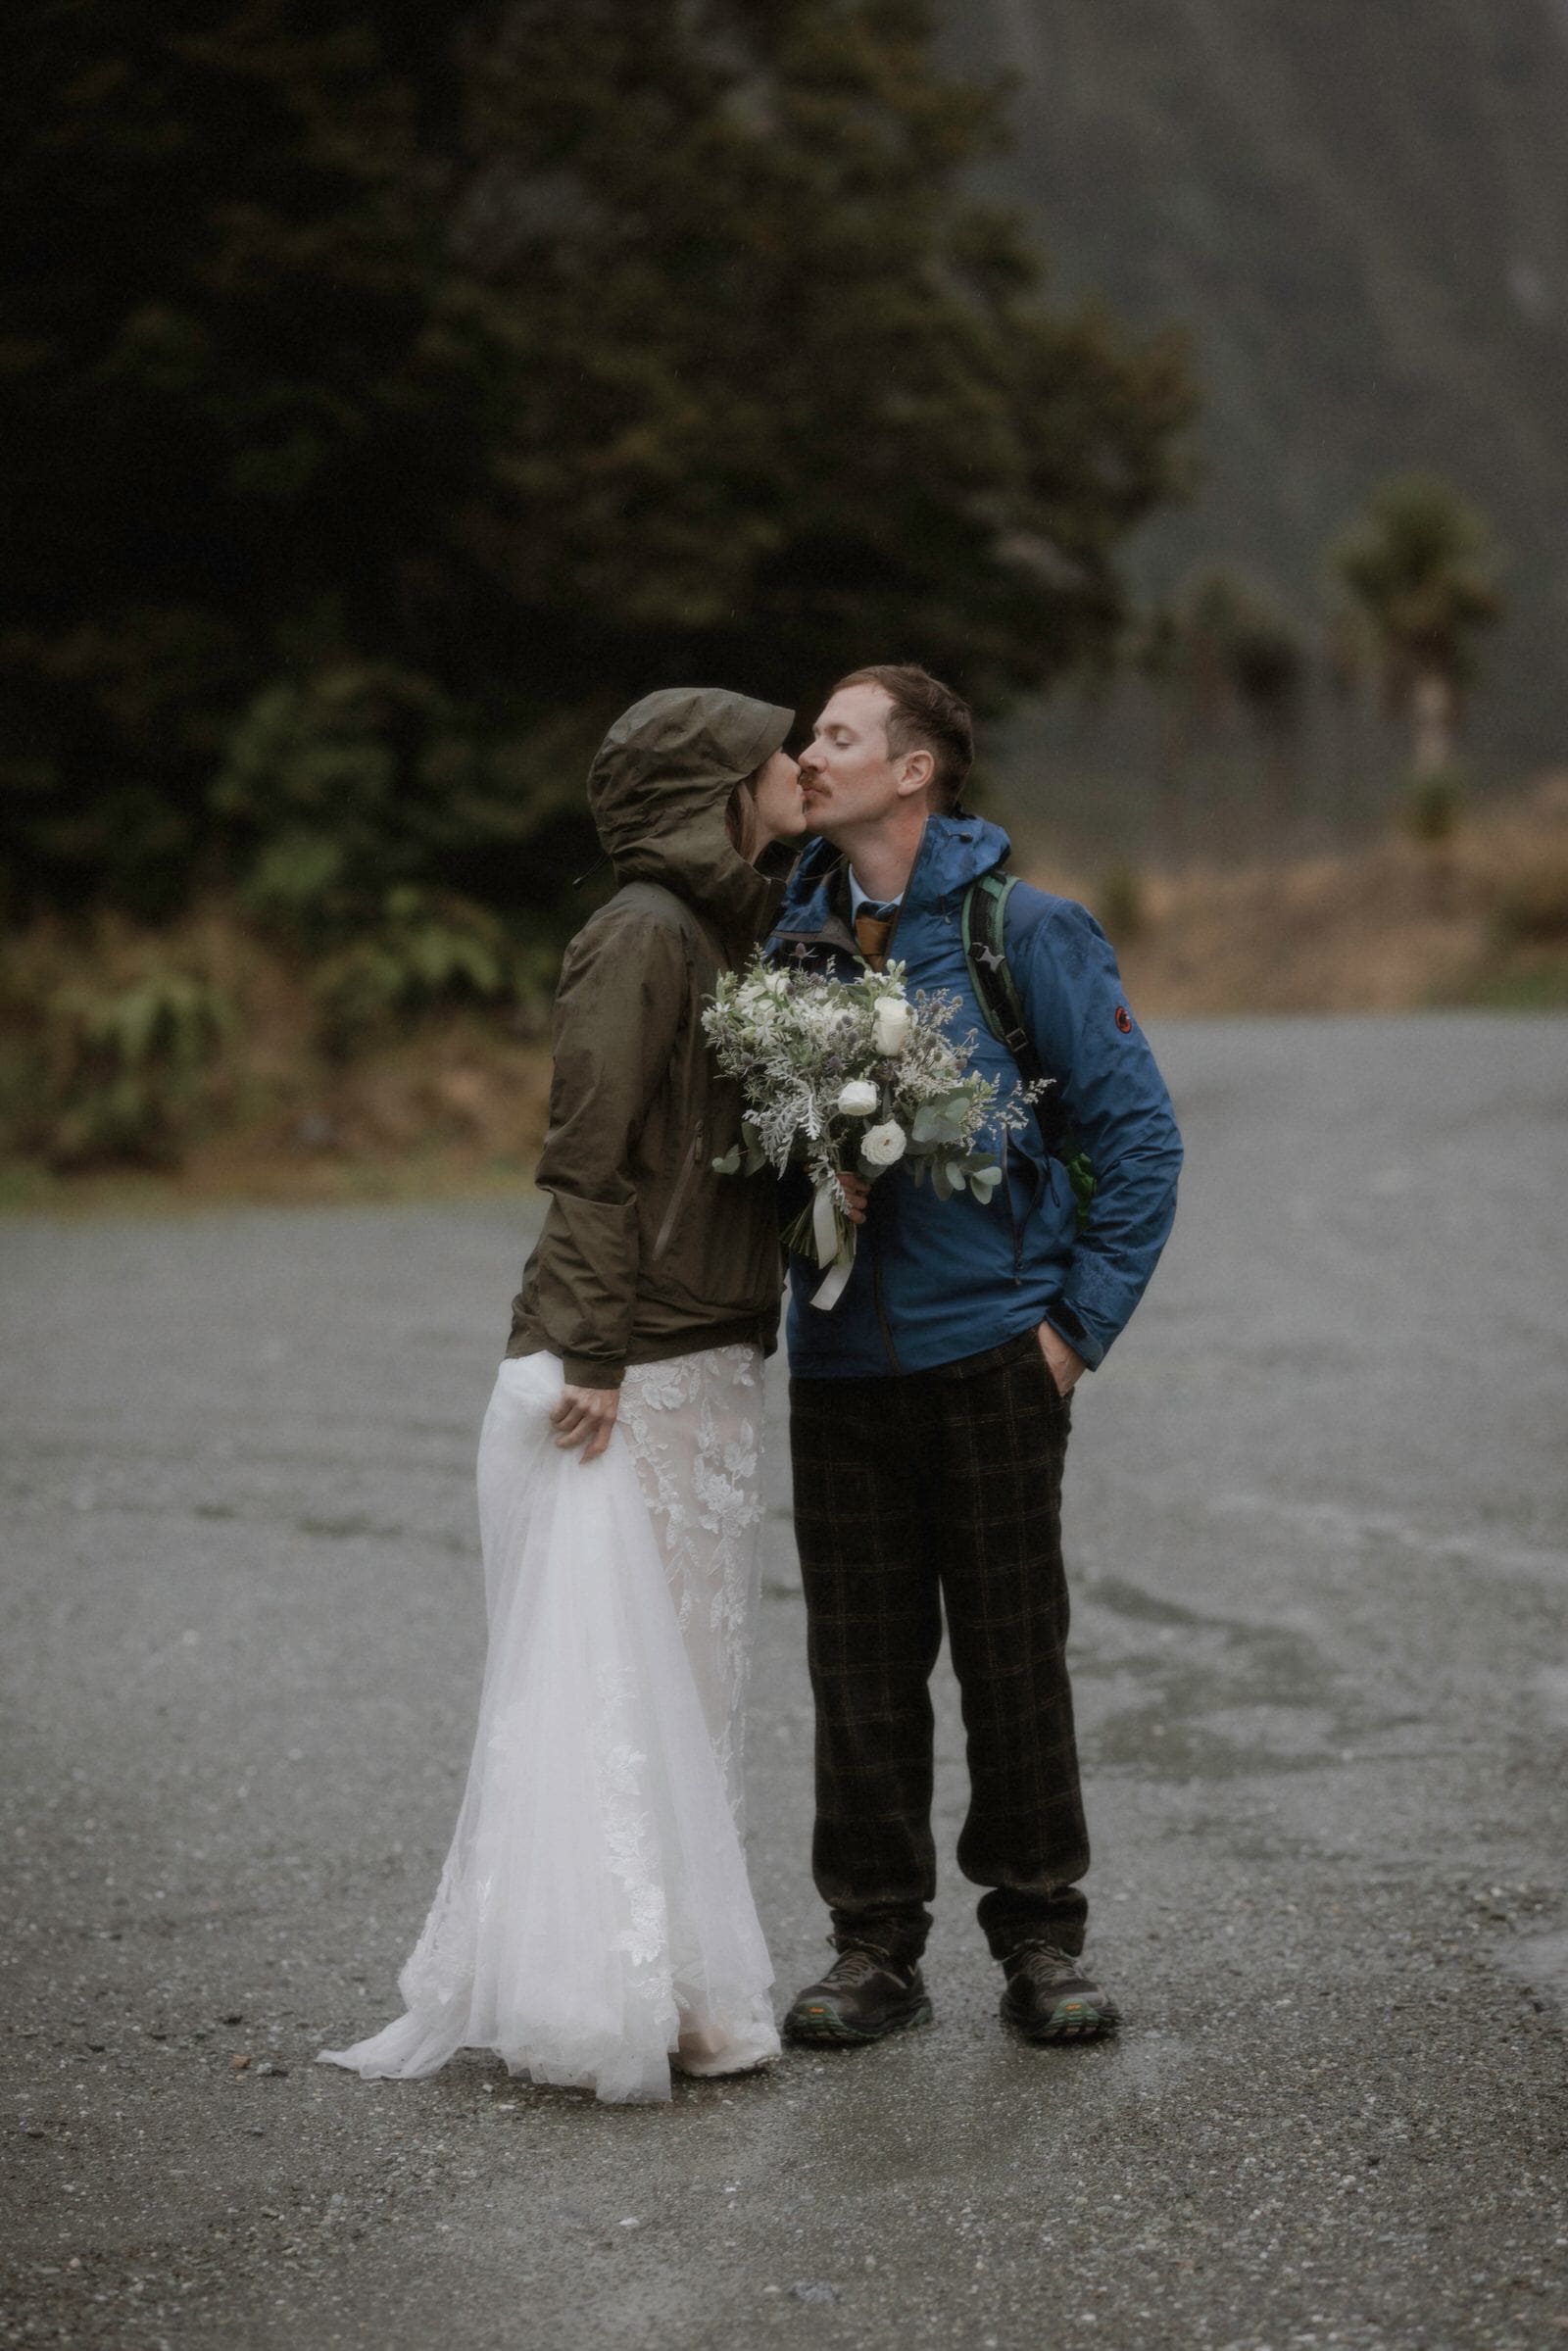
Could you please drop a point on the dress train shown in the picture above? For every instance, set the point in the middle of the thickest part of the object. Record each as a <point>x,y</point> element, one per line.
<point>593,1917</point>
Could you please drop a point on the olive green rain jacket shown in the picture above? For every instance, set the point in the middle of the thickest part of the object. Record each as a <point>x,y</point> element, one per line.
<point>645,1252</point>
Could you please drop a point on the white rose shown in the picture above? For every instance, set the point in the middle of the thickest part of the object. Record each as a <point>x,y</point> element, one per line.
<point>778,982</point>
<point>858,1098</point>
<point>891,1023</point>
<point>881,1146</point>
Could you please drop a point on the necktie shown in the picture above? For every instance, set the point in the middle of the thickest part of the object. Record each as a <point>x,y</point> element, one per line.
<point>873,925</point>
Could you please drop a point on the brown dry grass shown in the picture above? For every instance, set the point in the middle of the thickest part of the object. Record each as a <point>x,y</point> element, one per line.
<point>461,1105</point>
<point>458,1104</point>
<point>1390,927</point>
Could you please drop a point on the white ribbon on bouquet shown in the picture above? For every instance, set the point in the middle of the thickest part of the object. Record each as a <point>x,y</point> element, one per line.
<point>834,1249</point>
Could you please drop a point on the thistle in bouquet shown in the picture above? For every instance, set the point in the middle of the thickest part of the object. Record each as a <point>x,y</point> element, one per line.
<point>840,1074</point>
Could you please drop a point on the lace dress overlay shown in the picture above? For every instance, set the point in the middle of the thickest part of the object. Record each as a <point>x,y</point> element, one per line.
<point>694,1427</point>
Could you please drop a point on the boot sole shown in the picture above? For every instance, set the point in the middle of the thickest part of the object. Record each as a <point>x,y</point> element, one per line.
<point>819,2027</point>
<point>1069,2020</point>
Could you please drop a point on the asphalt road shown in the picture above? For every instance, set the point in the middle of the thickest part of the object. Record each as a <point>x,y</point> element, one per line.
<point>1318,1522</point>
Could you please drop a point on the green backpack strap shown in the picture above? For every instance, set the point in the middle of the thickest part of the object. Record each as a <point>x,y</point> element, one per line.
<point>983,919</point>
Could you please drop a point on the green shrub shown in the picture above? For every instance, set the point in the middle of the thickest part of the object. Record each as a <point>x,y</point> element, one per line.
<point>427,951</point>
<point>344,787</point>
<point>321,787</point>
<point>1432,806</point>
<point>123,1067</point>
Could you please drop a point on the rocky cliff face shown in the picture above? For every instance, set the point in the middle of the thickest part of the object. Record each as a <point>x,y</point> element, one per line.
<point>1360,210</point>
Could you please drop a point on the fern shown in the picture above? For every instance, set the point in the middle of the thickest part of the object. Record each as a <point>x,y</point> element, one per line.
<point>123,1067</point>
<point>427,952</point>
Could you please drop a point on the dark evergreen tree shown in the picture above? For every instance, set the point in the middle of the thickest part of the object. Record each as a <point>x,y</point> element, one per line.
<point>389,394</point>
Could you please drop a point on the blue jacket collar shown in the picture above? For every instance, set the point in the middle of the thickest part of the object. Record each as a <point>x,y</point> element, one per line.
<point>953,851</point>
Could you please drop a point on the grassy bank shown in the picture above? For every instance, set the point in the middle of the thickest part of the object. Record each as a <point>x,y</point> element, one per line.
<point>1479,918</point>
<point>203,1062</point>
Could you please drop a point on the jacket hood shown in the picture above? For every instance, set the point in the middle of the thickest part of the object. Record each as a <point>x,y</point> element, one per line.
<point>953,851</point>
<point>659,787</point>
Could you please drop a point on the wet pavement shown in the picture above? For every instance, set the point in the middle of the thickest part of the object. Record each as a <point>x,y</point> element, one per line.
<point>1318,1527</point>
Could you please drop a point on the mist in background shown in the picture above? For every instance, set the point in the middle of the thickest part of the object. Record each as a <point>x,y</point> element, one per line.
<point>1361,219</point>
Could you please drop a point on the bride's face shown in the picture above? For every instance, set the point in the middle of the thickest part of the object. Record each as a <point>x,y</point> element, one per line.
<point>776,797</point>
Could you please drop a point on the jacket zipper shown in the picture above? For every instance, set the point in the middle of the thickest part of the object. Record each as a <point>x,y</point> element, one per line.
<point>883,1324</point>
<point>1013,1216</point>
<point>683,1180</point>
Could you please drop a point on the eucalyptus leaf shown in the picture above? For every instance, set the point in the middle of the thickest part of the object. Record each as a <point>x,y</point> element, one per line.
<point>730,1163</point>
<point>940,1121</point>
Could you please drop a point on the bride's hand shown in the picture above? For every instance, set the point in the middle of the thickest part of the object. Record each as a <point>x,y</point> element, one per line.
<point>584,1416</point>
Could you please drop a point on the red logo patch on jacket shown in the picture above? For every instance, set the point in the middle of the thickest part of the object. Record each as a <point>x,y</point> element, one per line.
<point>1125,1020</point>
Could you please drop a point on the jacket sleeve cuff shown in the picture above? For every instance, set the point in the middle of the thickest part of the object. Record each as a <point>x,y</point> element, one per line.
<point>1067,1325</point>
<point>585,1371</point>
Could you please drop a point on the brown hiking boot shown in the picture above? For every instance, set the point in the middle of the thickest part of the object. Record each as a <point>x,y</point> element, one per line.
<point>1050,1999</point>
<point>864,1995</point>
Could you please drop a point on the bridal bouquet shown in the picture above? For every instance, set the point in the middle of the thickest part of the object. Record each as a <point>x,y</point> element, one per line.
<point>853,1074</point>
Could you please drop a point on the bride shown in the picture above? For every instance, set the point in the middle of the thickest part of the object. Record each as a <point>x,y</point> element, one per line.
<point>594,1924</point>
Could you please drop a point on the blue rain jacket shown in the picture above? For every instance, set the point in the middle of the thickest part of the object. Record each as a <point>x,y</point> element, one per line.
<point>937,1279</point>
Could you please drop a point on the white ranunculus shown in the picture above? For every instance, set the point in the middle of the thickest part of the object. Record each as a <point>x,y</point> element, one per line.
<point>891,1023</point>
<point>858,1098</point>
<point>881,1146</point>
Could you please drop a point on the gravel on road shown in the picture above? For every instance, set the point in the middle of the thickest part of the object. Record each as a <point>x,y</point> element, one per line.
<point>1318,1529</point>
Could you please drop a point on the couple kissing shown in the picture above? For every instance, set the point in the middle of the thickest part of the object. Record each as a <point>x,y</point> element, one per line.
<point>594,1925</point>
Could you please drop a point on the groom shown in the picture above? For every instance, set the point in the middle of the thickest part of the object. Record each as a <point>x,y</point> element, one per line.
<point>930,1408</point>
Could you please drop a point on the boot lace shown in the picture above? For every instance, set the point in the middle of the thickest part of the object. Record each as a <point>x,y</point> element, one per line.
<point>1053,1956</point>
<point>853,1967</point>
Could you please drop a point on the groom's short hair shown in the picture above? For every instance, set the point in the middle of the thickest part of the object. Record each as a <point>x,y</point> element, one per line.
<point>926,715</point>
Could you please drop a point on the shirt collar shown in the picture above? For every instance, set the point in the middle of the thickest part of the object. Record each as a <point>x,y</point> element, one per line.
<point>859,897</point>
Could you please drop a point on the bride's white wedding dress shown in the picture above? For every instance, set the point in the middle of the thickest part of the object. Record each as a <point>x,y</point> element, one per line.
<point>594,1919</point>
